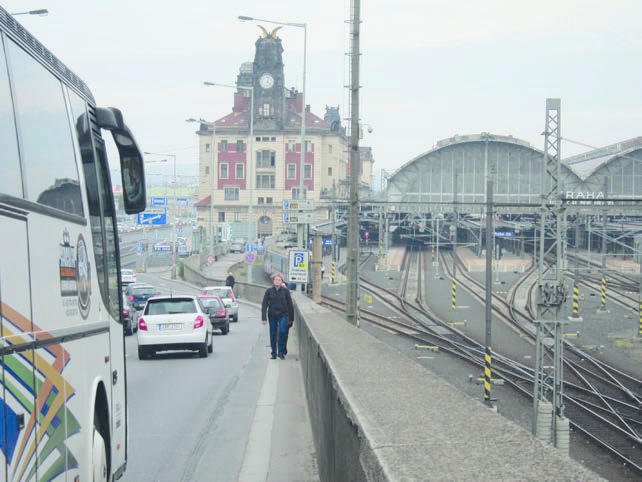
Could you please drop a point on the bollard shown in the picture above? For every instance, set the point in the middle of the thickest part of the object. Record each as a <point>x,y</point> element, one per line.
<point>333,271</point>
<point>575,315</point>
<point>453,292</point>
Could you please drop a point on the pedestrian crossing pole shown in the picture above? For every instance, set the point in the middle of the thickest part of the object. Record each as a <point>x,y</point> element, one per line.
<point>333,272</point>
<point>453,291</point>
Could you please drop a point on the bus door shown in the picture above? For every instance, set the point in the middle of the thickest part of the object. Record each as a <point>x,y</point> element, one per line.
<point>18,395</point>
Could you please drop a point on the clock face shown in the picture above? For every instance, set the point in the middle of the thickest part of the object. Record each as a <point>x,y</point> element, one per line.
<point>266,81</point>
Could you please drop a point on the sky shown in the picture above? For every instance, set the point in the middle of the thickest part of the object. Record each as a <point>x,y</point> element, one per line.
<point>429,69</point>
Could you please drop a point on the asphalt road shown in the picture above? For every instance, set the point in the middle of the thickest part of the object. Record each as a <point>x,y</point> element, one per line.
<point>185,411</point>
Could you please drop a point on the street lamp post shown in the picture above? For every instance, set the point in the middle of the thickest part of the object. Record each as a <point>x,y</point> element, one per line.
<point>173,156</point>
<point>212,167</point>
<point>302,190</point>
<point>250,173</point>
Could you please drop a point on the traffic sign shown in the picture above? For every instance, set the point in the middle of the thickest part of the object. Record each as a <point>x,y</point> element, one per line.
<point>298,266</point>
<point>299,205</point>
<point>158,201</point>
<point>300,217</point>
<point>182,201</point>
<point>152,218</point>
<point>250,257</point>
<point>249,248</point>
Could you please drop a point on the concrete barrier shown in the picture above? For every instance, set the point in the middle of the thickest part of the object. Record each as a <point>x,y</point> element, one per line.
<point>377,415</point>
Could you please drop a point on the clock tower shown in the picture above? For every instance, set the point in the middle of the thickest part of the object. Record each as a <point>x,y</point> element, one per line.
<point>268,82</point>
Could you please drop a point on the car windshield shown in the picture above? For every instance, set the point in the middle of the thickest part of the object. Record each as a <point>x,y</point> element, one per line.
<point>211,303</point>
<point>170,307</point>
<point>127,272</point>
<point>143,291</point>
<point>222,292</point>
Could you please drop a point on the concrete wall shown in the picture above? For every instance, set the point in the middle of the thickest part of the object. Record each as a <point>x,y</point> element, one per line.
<point>377,415</point>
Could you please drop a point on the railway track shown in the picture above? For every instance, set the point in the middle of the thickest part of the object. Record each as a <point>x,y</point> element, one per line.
<point>601,402</point>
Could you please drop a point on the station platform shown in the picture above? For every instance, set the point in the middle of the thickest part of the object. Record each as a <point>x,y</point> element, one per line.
<point>613,262</point>
<point>508,263</point>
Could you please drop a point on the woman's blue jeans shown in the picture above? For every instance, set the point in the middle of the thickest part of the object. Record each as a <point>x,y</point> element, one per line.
<point>278,334</point>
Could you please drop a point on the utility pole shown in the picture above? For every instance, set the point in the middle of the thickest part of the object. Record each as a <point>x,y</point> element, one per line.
<point>352,294</point>
<point>489,278</point>
<point>549,423</point>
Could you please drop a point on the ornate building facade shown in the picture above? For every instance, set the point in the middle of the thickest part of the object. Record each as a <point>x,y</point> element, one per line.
<point>224,171</point>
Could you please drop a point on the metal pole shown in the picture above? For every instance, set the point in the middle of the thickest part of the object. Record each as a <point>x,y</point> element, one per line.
<point>212,178</point>
<point>301,237</point>
<point>489,288</point>
<point>250,180</point>
<point>454,248</point>
<point>173,275</point>
<point>352,294</point>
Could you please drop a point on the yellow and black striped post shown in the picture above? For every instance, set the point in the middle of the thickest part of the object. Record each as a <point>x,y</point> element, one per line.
<point>333,272</point>
<point>453,292</point>
<point>433,252</point>
<point>487,376</point>
<point>575,313</point>
<point>640,313</point>
<point>603,295</point>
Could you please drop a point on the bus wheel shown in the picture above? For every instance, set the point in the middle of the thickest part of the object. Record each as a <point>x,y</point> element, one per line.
<point>99,457</point>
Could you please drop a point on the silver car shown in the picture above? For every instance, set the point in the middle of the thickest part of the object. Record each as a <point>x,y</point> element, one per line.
<point>227,295</point>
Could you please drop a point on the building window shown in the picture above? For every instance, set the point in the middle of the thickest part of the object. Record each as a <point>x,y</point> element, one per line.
<point>223,146</point>
<point>307,171</point>
<point>222,174</point>
<point>261,199</point>
<point>330,148</point>
<point>240,171</point>
<point>268,200</point>
<point>308,146</point>
<point>265,181</point>
<point>295,193</point>
<point>231,193</point>
<point>240,146</point>
<point>291,146</point>
<point>329,171</point>
<point>265,139</point>
<point>265,110</point>
<point>208,147</point>
<point>237,216</point>
<point>221,216</point>
<point>272,139</point>
<point>207,170</point>
<point>265,158</point>
<point>291,171</point>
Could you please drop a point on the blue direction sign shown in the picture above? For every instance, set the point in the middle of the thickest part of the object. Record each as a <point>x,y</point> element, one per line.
<point>152,218</point>
<point>182,201</point>
<point>157,201</point>
<point>249,248</point>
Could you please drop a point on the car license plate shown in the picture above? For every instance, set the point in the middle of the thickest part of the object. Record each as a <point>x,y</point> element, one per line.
<point>170,326</point>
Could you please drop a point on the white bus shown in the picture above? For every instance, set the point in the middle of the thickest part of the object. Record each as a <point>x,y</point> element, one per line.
<point>63,406</point>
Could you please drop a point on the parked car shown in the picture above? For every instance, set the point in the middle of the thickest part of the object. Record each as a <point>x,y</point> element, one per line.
<point>219,316</point>
<point>127,276</point>
<point>174,323</point>
<point>129,317</point>
<point>237,248</point>
<point>139,293</point>
<point>227,295</point>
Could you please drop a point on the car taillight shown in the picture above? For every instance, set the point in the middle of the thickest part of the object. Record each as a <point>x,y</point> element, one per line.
<point>203,293</point>
<point>125,312</point>
<point>220,313</point>
<point>131,297</point>
<point>198,322</point>
<point>141,324</point>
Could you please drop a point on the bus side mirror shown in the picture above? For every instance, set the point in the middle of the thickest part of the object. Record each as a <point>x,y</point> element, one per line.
<point>131,159</point>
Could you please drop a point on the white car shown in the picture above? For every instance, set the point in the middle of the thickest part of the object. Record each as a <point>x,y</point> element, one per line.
<point>127,276</point>
<point>174,323</point>
<point>227,295</point>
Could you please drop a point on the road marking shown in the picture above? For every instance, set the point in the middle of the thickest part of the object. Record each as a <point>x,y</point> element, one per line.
<point>256,461</point>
